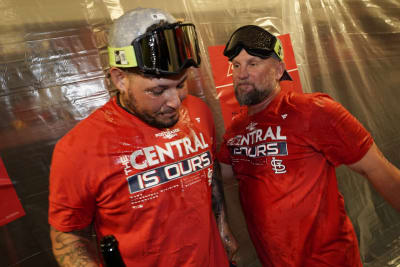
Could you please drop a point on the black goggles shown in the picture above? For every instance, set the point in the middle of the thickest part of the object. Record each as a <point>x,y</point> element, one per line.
<point>255,40</point>
<point>168,49</point>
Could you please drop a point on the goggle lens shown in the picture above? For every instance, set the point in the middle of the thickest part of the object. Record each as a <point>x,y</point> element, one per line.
<point>168,50</point>
<point>253,39</point>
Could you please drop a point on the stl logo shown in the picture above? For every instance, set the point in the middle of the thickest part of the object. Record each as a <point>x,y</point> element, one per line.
<point>277,166</point>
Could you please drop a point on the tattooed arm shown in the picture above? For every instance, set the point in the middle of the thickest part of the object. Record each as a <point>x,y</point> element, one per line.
<point>77,248</point>
<point>218,205</point>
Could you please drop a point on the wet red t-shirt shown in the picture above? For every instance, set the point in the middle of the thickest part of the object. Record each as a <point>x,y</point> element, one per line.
<point>148,187</point>
<point>284,158</point>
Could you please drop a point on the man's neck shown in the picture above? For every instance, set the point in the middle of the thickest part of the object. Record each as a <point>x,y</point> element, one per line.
<point>121,103</point>
<point>253,109</point>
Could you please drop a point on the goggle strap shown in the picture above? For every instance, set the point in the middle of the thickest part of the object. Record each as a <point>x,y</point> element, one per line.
<point>278,49</point>
<point>123,57</point>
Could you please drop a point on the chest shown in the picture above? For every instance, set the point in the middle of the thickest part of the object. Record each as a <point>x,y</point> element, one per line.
<point>270,144</point>
<point>147,168</point>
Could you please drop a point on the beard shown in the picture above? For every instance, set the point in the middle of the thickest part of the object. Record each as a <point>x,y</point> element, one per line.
<point>129,104</point>
<point>252,97</point>
<point>152,120</point>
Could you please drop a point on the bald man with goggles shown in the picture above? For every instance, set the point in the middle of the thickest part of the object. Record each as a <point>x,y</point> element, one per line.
<point>284,150</point>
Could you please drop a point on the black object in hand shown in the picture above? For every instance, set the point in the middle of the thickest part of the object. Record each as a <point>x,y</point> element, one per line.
<point>109,250</point>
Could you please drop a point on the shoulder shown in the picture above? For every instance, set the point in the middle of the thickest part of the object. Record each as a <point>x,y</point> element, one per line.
<point>309,106</point>
<point>323,107</point>
<point>316,111</point>
<point>192,101</point>
<point>87,131</point>
<point>307,100</point>
<point>197,107</point>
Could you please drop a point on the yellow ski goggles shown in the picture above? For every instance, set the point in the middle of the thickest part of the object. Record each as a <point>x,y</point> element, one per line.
<point>165,50</point>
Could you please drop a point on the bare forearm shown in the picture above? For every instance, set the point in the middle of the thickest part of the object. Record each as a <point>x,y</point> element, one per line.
<point>388,185</point>
<point>383,175</point>
<point>76,248</point>
<point>218,200</point>
<point>218,205</point>
<point>220,215</point>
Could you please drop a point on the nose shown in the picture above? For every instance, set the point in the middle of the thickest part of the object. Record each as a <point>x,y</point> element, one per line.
<point>174,97</point>
<point>242,72</point>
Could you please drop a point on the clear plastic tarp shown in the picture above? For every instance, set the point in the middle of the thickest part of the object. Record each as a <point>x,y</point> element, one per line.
<point>53,65</point>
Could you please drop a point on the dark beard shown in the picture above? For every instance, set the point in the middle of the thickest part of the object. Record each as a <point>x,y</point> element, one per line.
<point>153,122</point>
<point>251,98</point>
<point>143,117</point>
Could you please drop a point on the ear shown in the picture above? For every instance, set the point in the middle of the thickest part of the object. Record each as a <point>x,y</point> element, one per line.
<point>119,79</point>
<point>280,70</point>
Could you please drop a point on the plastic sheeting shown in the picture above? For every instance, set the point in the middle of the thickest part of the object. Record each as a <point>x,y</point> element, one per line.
<point>52,62</point>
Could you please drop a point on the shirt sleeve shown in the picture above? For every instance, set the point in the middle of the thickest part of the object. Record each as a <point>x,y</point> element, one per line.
<point>336,133</point>
<point>71,203</point>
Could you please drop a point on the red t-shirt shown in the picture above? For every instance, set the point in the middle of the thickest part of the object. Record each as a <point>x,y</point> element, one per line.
<point>284,158</point>
<point>148,187</point>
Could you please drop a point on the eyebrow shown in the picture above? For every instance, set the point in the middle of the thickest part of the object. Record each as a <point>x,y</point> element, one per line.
<point>254,59</point>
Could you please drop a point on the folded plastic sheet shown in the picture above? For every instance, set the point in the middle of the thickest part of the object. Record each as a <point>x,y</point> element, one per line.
<point>57,82</point>
<point>52,57</point>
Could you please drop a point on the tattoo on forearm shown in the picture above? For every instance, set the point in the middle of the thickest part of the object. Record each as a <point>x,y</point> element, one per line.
<point>74,250</point>
<point>218,204</point>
